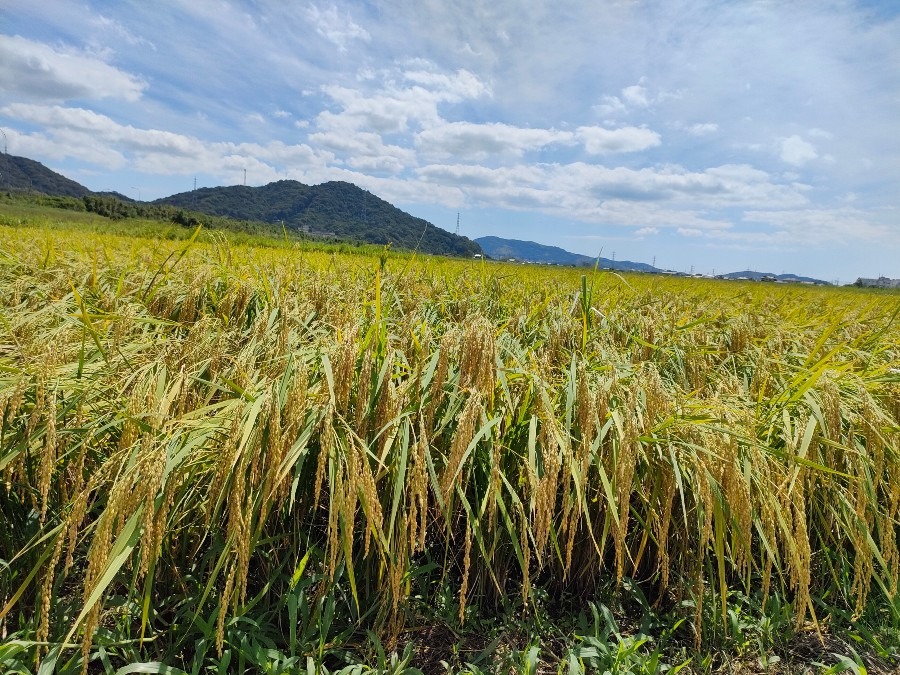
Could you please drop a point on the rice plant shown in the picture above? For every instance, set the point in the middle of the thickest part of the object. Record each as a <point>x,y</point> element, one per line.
<point>207,445</point>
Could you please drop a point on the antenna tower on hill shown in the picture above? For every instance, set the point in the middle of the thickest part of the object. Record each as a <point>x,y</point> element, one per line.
<point>457,223</point>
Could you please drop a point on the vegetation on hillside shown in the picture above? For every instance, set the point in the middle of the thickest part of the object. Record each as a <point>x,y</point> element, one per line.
<point>223,458</point>
<point>104,214</point>
<point>335,209</point>
<point>21,173</point>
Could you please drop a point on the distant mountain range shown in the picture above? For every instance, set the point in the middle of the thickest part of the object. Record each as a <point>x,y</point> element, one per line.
<point>529,251</point>
<point>335,209</point>
<point>768,276</point>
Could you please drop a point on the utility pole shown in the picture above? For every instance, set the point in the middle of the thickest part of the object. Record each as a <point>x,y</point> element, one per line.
<point>245,177</point>
<point>614,260</point>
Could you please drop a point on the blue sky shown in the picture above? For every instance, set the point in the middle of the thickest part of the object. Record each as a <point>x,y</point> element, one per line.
<point>712,135</point>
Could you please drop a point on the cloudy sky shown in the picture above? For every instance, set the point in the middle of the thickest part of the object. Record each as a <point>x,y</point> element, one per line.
<point>714,135</point>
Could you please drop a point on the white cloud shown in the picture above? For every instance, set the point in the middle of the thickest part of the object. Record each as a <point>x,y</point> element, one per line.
<point>703,129</point>
<point>481,176</point>
<point>820,133</point>
<point>715,187</point>
<point>818,227</point>
<point>610,106</point>
<point>111,28</point>
<point>796,151</point>
<point>646,232</point>
<point>456,86</point>
<point>84,134</point>
<point>334,27</point>
<point>664,197</point>
<point>55,146</point>
<point>636,95</point>
<point>366,150</point>
<point>601,141</point>
<point>478,142</point>
<point>388,107</point>
<point>635,98</point>
<point>102,128</point>
<point>689,232</point>
<point>35,71</point>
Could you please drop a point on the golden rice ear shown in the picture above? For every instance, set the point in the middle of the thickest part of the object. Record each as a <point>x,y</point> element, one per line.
<point>478,359</point>
<point>417,492</point>
<point>345,368</point>
<point>48,454</point>
<point>439,379</point>
<point>364,390</point>
<point>465,432</point>
<point>238,412</point>
<point>467,561</point>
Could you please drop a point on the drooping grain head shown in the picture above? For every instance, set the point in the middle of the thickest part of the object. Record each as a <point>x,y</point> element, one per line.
<point>477,363</point>
<point>462,437</point>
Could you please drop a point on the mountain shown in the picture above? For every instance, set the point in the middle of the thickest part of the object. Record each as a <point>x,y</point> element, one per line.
<point>768,276</point>
<point>336,209</point>
<point>21,173</point>
<point>529,251</point>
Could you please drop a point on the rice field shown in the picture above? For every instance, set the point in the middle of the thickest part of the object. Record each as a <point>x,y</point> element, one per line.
<point>218,458</point>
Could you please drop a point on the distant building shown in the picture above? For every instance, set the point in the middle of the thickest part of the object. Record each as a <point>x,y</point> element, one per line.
<point>880,282</point>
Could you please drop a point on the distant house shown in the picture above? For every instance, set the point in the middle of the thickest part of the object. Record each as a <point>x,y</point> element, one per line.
<point>880,282</point>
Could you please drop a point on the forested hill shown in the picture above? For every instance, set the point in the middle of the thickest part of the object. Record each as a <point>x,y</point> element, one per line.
<point>21,173</point>
<point>332,209</point>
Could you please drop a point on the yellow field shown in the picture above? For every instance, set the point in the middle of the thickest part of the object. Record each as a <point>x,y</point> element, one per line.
<point>199,434</point>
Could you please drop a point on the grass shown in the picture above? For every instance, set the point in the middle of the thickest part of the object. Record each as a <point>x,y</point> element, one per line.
<point>219,455</point>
